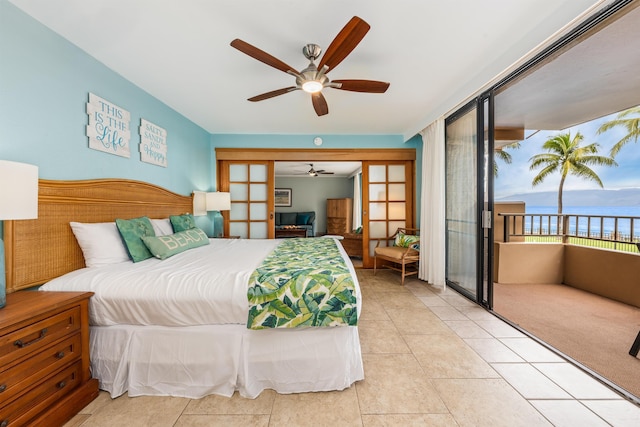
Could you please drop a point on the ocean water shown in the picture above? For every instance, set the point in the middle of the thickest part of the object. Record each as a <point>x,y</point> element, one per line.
<point>586,210</point>
<point>608,224</point>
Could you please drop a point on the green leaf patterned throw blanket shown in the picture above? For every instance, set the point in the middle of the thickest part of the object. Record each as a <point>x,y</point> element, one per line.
<point>303,282</point>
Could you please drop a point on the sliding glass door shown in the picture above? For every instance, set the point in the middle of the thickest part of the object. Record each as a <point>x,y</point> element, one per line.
<point>461,150</point>
<point>468,200</point>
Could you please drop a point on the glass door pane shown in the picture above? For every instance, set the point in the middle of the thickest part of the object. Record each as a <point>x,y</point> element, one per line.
<point>251,185</point>
<point>462,202</point>
<point>387,202</point>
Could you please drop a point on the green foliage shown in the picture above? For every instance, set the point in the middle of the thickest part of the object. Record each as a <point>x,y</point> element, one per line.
<point>631,124</point>
<point>566,156</point>
<point>302,283</point>
<point>504,156</point>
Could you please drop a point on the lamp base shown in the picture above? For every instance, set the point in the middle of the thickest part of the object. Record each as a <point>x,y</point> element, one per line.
<point>218,224</point>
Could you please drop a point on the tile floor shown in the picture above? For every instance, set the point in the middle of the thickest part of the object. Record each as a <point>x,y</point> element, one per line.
<point>431,358</point>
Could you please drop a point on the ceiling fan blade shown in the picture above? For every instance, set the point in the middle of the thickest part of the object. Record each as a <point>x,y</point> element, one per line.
<point>346,40</point>
<point>261,56</point>
<point>325,173</point>
<point>271,94</point>
<point>319,104</point>
<point>369,86</point>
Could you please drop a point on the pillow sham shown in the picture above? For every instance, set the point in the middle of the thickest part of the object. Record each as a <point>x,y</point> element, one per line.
<point>407,240</point>
<point>100,243</point>
<point>162,227</point>
<point>132,231</point>
<point>163,247</point>
<point>182,222</point>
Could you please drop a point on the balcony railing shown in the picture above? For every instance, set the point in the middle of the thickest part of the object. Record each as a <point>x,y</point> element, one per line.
<point>610,232</point>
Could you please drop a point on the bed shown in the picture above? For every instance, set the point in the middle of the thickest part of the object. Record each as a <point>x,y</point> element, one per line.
<point>183,330</point>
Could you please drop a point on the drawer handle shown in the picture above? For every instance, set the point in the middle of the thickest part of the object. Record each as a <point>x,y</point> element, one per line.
<point>61,384</point>
<point>4,423</point>
<point>21,344</point>
<point>3,387</point>
<point>60,354</point>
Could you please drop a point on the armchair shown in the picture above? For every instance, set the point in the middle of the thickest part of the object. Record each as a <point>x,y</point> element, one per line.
<point>403,255</point>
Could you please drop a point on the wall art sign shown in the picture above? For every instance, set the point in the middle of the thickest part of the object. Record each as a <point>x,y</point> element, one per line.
<point>153,143</point>
<point>108,129</point>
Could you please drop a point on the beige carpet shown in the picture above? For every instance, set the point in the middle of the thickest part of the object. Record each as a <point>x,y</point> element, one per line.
<point>597,332</point>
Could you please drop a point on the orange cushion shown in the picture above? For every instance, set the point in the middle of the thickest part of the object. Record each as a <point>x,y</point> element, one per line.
<point>396,252</point>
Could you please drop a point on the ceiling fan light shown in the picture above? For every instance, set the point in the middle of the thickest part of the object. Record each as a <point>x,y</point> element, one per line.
<point>312,86</point>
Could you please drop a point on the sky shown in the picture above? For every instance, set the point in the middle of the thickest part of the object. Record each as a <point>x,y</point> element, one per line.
<point>516,178</point>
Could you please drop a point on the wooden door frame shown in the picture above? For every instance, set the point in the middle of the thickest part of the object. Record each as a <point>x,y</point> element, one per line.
<point>224,184</point>
<point>410,200</point>
<point>321,155</point>
<point>316,155</point>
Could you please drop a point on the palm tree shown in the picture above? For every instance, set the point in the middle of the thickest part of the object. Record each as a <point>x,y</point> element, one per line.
<point>565,155</point>
<point>632,124</point>
<point>503,155</point>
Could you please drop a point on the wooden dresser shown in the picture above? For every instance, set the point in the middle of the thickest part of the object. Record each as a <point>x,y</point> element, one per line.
<point>45,377</point>
<point>339,216</point>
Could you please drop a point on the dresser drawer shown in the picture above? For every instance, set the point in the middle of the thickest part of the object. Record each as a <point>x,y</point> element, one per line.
<point>20,411</point>
<point>336,225</point>
<point>19,377</point>
<point>31,338</point>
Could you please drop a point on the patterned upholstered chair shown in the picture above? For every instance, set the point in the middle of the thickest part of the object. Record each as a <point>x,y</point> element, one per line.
<point>403,254</point>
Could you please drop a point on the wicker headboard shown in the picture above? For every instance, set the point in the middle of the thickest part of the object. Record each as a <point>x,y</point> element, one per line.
<point>39,250</point>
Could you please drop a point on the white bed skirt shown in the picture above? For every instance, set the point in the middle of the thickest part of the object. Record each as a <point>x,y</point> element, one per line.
<point>196,361</point>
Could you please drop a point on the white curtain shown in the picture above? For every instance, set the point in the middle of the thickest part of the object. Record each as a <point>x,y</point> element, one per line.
<point>432,205</point>
<point>357,201</point>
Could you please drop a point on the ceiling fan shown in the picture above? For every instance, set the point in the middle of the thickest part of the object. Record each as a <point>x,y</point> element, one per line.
<point>313,172</point>
<point>313,79</point>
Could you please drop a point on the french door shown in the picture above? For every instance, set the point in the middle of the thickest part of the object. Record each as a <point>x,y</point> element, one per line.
<point>387,189</point>
<point>387,202</point>
<point>251,184</point>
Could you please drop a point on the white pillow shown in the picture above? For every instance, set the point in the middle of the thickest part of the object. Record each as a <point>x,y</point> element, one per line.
<point>162,227</point>
<point>100,242</point>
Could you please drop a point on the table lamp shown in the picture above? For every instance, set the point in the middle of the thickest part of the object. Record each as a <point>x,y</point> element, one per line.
<point>18,200</point>
<point>204,202</point>
<point>216,202</point>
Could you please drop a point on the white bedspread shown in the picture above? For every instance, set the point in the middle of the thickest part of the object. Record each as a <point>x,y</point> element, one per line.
<point>178,328</point>
<point>202,286</point>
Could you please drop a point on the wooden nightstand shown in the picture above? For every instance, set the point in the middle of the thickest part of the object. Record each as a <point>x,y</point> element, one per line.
<point>45,376</point>
<point>352,243</point>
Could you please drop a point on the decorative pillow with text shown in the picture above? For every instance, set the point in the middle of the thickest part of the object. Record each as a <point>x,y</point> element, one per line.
<point>163,247</point>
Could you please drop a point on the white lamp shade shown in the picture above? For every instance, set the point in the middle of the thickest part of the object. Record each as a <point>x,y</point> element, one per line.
<point>218,201</point>
<point>199,203</point>
<point>18,190</point>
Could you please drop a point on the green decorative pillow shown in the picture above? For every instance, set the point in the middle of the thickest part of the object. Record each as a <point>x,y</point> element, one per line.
<point>132,231</point>
<point>407,240</point>
<point>182,222</point>
<point>302,219</point>
<point>165,246</point>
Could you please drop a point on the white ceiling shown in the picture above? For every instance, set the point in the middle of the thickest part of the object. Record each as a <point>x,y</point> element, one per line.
<point>435,54</point>
<point>588,79</point>
<point>300,169</point>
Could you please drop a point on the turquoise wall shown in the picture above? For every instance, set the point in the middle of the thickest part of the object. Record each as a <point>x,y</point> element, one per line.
<point>44,87</point>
